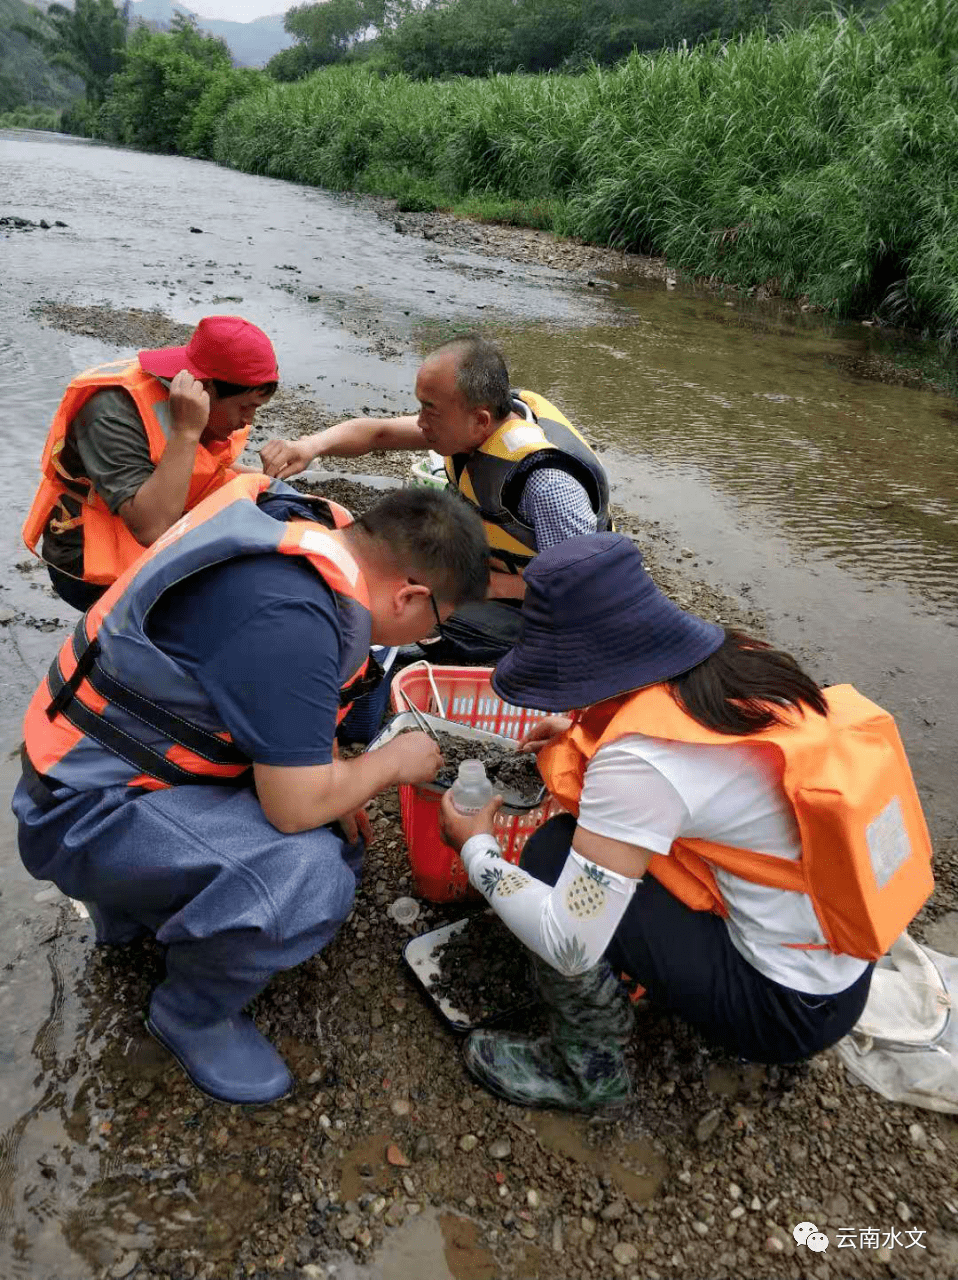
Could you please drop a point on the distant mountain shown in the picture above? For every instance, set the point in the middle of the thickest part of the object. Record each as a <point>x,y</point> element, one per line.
<point>252,44</point>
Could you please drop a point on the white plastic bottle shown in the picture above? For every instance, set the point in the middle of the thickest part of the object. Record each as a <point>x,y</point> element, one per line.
<point>472,790</point>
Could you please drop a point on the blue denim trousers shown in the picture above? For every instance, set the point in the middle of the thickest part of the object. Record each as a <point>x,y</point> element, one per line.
<point>233,899</point>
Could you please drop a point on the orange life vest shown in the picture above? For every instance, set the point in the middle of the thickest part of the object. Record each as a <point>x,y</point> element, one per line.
<point>108,545</point>
<point>115,710</point>
<point>866,854</point>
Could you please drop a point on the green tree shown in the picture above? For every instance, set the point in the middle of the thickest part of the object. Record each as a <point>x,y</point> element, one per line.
<point>88,40</point>
<point>161,86</point>
<point>330,30</point>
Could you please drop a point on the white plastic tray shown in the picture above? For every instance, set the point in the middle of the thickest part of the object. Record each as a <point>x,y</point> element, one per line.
<point>420,954</point>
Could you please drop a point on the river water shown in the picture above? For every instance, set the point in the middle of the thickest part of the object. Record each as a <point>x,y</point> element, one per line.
<point>824,500</point>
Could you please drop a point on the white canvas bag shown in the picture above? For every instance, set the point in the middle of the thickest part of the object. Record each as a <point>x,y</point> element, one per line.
<point>905,1045</point>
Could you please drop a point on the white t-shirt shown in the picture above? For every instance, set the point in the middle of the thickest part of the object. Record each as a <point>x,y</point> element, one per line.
<point>648,791</point>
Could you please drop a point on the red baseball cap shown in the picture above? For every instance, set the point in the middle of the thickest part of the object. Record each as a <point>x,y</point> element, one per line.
<point>227,348</point>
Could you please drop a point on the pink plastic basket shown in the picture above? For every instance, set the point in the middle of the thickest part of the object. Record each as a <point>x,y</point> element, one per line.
<point>466,696</point>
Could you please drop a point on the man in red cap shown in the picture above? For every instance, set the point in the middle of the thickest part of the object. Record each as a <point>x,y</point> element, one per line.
<point>136,443</point>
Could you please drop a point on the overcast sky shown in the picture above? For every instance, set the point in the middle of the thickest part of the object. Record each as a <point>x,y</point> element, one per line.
<point>237,10</point>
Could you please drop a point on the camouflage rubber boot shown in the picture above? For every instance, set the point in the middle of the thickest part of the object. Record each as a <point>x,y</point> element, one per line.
<point>581,1066</point>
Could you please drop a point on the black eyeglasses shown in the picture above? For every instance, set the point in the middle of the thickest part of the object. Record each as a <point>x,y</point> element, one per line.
<point>437,630</point>
<point>435,609</point>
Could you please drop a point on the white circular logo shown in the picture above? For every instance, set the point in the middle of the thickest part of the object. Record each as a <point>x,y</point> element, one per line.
<point>808,1234</point>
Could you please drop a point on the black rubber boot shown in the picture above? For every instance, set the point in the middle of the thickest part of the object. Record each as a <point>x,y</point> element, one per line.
<point>581,1066</point>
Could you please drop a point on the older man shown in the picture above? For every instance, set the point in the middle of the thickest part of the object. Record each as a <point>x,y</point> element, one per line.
<point>179,771</point>
<point>511,454</point>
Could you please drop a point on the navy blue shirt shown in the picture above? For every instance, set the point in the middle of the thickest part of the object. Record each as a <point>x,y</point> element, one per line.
<point>261,634</point>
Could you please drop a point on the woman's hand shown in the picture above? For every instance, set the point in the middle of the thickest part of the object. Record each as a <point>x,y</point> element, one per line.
<point>456,828</point>
<point>545,731</point>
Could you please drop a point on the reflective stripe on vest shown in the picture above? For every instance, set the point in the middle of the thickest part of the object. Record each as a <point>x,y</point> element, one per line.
<point>108,545</point>
<point>492,477</point>
<point>866,853</point>
<point>114,709</point>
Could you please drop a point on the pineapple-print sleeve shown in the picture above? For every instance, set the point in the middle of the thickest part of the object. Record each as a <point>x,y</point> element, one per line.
<point>569,926</point>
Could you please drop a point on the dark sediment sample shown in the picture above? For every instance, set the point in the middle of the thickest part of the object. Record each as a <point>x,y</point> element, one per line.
<point>508,770</point>
<point>483,969</point>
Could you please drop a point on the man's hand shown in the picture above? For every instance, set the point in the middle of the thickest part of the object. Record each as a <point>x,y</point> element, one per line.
<point>355,825</point>
<point>282,458</point>
<point>189,406</point>
<point>545,731</point>
<point>415,757</point>
<point>456,828</point>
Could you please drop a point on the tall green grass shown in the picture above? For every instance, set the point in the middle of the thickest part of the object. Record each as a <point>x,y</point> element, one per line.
<point>825,159</point>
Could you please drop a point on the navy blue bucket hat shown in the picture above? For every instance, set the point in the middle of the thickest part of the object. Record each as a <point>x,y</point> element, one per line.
<point>595,625</point>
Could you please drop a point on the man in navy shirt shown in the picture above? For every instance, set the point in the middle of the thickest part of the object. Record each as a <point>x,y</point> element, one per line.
<point>248,866</point>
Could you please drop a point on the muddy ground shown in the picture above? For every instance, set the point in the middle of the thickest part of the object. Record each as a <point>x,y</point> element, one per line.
<point>704,1176</point>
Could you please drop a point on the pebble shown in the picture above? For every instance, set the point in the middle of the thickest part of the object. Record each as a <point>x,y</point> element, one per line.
<point>903,1211</point>
<point>6,615</point>
<point>468,1142</point>
<point>409,1185</point>
<point>142,1089</point>
<point>708,1124</point>
<point>124,1266</point>
<point>557,1236</point>
<point>396,1213</point>
<point>918,1135</point>
<point>588,1226</point>
<point>400,1107</point>
<point>734,1191</point>
<point>347,1226</point>
<point>625,1253</point>
<point>527,1231</point>
<point>738,1211</point>
<point>829,1102</point>
<point>613,1212</point>
<point>774,1245</point>
<point>884,1254</point>
<point>532,1198</point>
<point>700,1228</point>
<point>865,1200</point>
<point>501,1149</point>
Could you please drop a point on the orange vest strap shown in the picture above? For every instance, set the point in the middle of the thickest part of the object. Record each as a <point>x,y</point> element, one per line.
<point>108,545</point>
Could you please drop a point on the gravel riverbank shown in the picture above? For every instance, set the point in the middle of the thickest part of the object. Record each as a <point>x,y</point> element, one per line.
<point>704,1176</point>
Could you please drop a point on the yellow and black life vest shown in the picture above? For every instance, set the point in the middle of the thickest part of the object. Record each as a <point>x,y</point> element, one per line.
<point>492,477</point>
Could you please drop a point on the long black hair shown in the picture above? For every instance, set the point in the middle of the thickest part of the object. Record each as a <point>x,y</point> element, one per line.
<point>744,686</point>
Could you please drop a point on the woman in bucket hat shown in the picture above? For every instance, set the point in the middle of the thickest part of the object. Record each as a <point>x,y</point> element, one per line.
<point>137,442</point>
<point>739,841</point>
